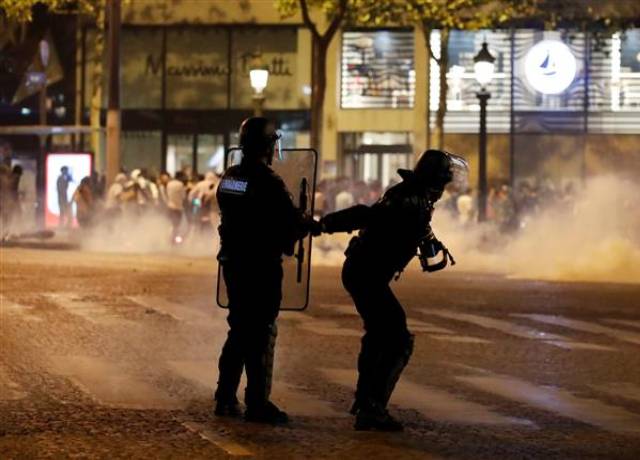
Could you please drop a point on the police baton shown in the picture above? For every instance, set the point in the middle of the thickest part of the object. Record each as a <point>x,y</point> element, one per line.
<point>302,203</point>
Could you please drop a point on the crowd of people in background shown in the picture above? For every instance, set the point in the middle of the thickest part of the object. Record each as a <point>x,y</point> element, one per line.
<point>187,201</point>
<point>507,208</point>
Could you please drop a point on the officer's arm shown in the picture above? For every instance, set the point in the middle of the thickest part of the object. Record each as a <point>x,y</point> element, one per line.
<point>347,220</point>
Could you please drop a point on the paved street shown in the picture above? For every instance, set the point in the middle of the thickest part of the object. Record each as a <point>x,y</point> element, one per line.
<point>114,356</point>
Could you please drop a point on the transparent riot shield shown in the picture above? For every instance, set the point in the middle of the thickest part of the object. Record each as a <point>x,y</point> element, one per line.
<point>297,168</point>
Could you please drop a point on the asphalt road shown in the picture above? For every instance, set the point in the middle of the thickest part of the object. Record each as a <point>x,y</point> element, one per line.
<point>114,356</point>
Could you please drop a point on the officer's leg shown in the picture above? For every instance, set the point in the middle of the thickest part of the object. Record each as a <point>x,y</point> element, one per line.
<point>259,348</point>
<point>364,289</point>
<point>385,351</point>
<point>259,361</point>
<point>394,356</point>
<point>231,362</point>
<point>230,368</point>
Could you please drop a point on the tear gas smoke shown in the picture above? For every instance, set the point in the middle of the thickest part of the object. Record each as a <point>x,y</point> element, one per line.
<point>149,234</point>
<point>594,238</point>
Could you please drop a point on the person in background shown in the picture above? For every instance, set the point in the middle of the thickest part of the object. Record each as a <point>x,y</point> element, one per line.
<point>163,180</point>
<point>15,198</point>
<point>62,187</point>
<point>345,198</point>
<point>85,203</point>
<point>176,194</point>
<point>5,199</point>
<point>202,199</point>
<point>464,206</point>
<point>113,205</point>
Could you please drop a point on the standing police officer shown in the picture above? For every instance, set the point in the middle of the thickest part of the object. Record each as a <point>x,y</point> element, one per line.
<point>259,223</point>
<point>391,232</point>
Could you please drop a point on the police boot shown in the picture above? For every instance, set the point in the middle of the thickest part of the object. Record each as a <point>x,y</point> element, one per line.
<point>389,369</point>
<point>230,368</point>
<point>227,408</point>
<point>259,366</point>
<point>367,360</point>
<point>373,417</point>
<point>267,413</point>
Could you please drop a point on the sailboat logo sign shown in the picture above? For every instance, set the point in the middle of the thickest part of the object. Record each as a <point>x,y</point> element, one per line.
<point>550,67</point>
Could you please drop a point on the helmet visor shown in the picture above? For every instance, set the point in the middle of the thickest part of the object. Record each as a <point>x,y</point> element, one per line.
<point>459,170</point>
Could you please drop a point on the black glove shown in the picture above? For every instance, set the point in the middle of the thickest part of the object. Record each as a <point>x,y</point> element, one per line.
<point>309,225</point>
<point>315,227</point>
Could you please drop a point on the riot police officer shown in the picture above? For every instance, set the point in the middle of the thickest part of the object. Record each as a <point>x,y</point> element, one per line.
<point>391,232</point>
<point>259,223</point>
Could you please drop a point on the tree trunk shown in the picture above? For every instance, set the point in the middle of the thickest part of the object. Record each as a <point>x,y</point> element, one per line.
<point>96,87</point>
<point>319,85</point>
<point>442,102</point>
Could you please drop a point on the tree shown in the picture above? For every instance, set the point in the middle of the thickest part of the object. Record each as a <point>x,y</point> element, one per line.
<point>334,11</point>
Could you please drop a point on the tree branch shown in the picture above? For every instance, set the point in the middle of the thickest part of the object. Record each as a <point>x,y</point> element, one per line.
<point>307,19</point>
<point>427,38</point>
<point>335,22</point>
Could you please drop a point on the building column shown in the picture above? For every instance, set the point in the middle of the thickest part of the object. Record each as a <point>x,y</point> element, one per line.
<point>420,99</point>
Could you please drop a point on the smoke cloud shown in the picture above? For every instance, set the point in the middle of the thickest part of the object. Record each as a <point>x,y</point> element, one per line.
<point>595,238</point>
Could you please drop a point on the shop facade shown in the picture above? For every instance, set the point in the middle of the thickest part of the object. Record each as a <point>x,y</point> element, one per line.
<point>185,89</point>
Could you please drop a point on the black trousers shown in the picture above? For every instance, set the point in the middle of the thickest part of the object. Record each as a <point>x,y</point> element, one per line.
<point>387,343</point>
<point>254,292</point>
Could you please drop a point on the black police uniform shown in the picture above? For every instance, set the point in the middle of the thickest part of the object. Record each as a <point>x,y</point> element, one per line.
<point>391,231</point>
<point>258,225</point>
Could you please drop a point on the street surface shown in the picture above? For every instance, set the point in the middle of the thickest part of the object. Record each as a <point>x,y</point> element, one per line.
<point>114,356</point>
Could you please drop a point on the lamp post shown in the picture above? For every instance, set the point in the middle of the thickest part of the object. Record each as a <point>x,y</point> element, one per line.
<point>483,67</point>
<point>259,76</point>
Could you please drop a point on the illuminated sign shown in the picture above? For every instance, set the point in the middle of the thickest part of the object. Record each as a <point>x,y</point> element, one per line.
<point>550,67</point>
<point>60,184</point>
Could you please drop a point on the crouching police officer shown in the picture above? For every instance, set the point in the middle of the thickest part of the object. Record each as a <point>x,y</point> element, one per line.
<point>259,223</point>
<point>391,232</point>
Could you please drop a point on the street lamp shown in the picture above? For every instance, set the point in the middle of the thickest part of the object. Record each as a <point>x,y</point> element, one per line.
<point>259,76</point>
<point>483,67</point>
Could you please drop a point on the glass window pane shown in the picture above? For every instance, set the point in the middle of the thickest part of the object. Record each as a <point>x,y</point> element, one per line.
<point>141,149</point>
<point>210,153</point>
<point>180,153</point>
<point>377,69</point>
<point>141,69</point>
<point>197,68</point>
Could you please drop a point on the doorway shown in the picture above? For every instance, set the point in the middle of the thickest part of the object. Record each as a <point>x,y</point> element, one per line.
<point>195,153</point>
<point>375,157</point>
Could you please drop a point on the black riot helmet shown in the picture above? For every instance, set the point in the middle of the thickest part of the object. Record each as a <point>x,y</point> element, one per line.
<point>258,137</point>
<point>436,168</point>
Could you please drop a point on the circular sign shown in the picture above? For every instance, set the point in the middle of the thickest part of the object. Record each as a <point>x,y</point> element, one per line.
<point>550,67</point>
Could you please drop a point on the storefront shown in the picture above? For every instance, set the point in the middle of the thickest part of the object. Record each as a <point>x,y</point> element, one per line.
<point>185,90</point>
<point>563,104</point>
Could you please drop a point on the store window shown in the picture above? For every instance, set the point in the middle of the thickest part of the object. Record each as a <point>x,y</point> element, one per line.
<point>141,149</point>
<point>377,69</point>
<point>624,88</point>
<point>550,71</point>
<point>141,69</point>
<point>462,84</point>
<point>197,68</point>
<point>375,157</point>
